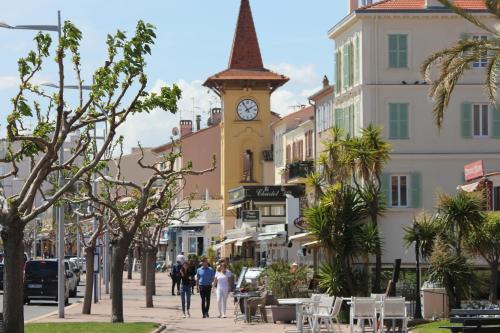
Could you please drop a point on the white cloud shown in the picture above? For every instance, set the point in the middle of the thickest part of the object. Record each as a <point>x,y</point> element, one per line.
<point>8,82</point>
<point>155,128</point>
<point>305,75</point>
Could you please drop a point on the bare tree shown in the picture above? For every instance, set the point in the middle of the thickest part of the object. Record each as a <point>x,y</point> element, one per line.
<point>117,92</point>
<point>130,203</point>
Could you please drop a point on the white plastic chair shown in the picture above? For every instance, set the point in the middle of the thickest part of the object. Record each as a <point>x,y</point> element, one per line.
<point>311,308</point>
<point>394,308</point>
<point>324,314</point>
<point>363,308</point>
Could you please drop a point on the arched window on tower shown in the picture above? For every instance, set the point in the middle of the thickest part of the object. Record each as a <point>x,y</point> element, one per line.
<point>248,166</point>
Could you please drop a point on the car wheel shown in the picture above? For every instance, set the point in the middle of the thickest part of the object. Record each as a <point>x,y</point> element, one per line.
<point>27,301</point>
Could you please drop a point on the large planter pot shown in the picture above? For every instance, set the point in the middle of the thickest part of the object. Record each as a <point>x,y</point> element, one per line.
<point>282,313</point>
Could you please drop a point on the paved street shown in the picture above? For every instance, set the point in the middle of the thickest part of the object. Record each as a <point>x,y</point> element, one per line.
<point>167,311</point>
<point>40,308</point>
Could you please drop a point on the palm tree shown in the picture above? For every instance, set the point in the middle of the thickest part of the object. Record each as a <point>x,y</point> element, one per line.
<point>485,241</point>
<point>454,61</point>
<point>422,234</point>
<point>459,215</point>
<point>367,156</point>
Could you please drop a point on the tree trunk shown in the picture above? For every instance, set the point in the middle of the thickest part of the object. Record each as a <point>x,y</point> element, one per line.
<point>149,272</point>
<point>493,283</point>
<point>89,279</point>
<point>130,263</point>
<point>143,266</point>
<point>378,262</point>
<point>13,301</point>
<point>120,249</point>
<point>155,254</point>
<point>418,303</point>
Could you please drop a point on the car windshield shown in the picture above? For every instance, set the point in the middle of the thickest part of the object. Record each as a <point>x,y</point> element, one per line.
<point>41,269</point>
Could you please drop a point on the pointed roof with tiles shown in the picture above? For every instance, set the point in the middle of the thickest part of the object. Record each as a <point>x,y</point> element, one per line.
<point>245,61</point>
<point>420,5</point>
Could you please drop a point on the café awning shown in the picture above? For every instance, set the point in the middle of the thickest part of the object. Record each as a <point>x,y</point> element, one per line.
<point>470,187</point>
<point>269,236</point>
<point>302,236</point>
<point>226,242</point>
<point>234,207</point>
<point>312,244</point>
<point>240,241</point>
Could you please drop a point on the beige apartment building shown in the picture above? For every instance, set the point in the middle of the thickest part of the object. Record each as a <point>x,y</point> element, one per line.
<point>379,49</point>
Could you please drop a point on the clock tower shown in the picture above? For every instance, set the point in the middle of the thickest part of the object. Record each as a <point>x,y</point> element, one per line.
<point>245,89</point>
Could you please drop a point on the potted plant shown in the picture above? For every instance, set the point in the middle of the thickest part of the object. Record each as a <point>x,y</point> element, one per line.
<point>283,281</point>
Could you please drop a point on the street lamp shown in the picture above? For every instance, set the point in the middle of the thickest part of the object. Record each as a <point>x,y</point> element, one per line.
<point>61,272</point>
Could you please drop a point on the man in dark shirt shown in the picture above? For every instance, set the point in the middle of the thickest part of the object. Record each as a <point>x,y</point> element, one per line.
<point>175,275</point>
<point>204,279</point>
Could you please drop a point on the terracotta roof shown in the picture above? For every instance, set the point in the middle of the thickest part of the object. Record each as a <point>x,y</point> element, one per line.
<point>245,62</point>
<point>168,146</point>
<point>419,4</point>
<point>245,53</point>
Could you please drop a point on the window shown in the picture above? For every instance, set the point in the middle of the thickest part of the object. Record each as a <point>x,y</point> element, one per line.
<point>338,72</point>
<point>288,154</point>
<point>273,210</point>
<point>399,191</point>
<point>357,52</point>
<point>480,120</point>
<point>398,51</point>
<point>193,245</point>
<point>398,121</point>
<point>483,61</point>
<point>300,150</point>
<point>309,144</point>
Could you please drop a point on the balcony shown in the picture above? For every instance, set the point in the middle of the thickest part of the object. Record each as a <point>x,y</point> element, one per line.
<point>298,170</point>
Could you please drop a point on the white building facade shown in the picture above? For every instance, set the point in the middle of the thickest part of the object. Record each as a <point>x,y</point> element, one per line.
<point>379,50</point>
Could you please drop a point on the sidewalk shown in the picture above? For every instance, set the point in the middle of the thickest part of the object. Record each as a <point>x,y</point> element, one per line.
<point>166,311</point>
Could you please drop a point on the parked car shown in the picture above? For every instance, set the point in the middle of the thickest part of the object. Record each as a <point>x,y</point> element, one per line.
<point>40,281</point>
<point>73,279</point>
<point>80,263</point>
<point>1,276</point>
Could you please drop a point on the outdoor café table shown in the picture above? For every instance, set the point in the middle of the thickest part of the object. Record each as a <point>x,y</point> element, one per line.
<point>245,297</point>
<point>298,302</point>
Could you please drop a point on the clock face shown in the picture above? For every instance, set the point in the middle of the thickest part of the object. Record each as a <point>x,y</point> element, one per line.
<point>247,109</point>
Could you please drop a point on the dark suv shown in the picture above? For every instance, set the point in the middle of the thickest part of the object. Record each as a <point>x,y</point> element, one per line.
<point>40,281</point>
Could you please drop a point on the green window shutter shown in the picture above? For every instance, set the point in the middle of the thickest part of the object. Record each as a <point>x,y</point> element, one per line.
<point>357,53</point>
<point>338,118</point>
<point>351,64</point>
<point>467,120</point>
<point>393,121</point>
<point>403,121</point>
<point>416,190</point>
<point>496,120</point>
<point>338,73</point>
<point>393,51</point>
<point>385,188</point>
<point>345,67</point>
<point>403,51</point>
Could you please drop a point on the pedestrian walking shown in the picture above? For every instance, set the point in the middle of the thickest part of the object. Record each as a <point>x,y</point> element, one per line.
<point>222,281</point>
<point>192,271</point>
<point>181,258</point>
<point>187,279</point>
<point>204,278</point>
<point>175,275</point>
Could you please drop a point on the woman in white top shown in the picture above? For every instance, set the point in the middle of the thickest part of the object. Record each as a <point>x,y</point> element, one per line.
<point>222,282</point>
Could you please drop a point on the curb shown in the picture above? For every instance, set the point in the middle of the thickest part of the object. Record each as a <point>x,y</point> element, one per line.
<point>160,329</point>
<point>51,313</point>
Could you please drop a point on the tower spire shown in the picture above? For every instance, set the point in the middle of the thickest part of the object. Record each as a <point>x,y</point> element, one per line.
<point>245,53</point>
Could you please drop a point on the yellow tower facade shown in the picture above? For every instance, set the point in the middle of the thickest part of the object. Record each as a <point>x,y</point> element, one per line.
<point>245,90</point>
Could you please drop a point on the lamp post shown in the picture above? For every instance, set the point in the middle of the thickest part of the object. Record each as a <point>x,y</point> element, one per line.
<point>61,272</point>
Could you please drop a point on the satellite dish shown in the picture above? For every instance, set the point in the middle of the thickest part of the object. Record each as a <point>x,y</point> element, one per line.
<point>175,131</point>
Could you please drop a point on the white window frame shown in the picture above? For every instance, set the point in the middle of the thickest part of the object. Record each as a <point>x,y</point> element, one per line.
<point>399,176</point>
<point>483,62</point>
<point>189,245</point>
<point>409,55</point>
<point>481,106</point>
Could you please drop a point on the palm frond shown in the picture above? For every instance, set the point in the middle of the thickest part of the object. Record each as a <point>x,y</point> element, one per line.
<point>491,78</point>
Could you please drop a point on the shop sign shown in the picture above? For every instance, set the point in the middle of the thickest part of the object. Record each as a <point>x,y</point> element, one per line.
<point>250,216</point>
<point>474,170</point>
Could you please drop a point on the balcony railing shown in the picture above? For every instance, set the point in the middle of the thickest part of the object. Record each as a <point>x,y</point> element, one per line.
<point>300,169</point>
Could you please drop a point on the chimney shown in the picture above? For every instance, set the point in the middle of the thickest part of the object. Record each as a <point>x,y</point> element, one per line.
<point>353,5</point>
<point>215,116</point>
<point>326,82</point>
<point>186,127</point>
<point>198,122</point>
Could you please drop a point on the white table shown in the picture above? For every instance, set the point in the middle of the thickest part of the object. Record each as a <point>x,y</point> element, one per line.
<point>298,302</point>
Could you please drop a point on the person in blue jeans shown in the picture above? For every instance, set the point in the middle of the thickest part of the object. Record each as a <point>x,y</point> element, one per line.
<point>204,278</point>
<point>187,281</point>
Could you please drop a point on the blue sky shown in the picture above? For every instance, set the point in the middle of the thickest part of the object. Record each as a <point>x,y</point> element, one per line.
<point>194,41</point>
